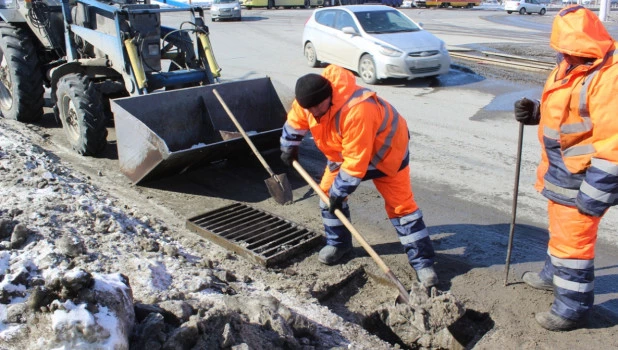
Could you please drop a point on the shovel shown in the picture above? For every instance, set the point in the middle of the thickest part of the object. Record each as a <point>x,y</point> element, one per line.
<point>403,293</point>
<point>278,185</point>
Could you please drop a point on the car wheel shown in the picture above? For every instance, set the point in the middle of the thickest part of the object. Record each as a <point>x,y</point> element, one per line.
<point>509,12</point>
<point>522,11</point>
<point>542,12</point>
<point>367,70</point>
<point>311,56</point>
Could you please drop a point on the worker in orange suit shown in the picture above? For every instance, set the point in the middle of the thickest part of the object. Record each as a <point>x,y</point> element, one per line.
<point>578,172</point>
<point>363,137</point>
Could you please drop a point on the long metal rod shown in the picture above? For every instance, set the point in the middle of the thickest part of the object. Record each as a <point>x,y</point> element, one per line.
<point>403,293</point>
<point>514,206</point>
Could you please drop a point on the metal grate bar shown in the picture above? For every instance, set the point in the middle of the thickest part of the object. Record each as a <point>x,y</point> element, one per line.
<point>216,213</point>
<point>251,230</point>
<point>272,238</point>
<point>236,222</point>
<point>227,217</point>
<point>254,234</point>
<point>269,231</point>
<point>290,238</point>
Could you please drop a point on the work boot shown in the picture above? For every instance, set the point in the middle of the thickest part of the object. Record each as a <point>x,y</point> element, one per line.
<point>331,254</point>
<point>553,322</point>
<point>534,280</point>
<point>427,276</point>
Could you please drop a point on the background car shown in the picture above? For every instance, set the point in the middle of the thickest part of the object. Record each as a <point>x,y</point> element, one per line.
<point>525,7</point>
<point>375,41</point>
<point>205,4</point>
<point>225,9</point>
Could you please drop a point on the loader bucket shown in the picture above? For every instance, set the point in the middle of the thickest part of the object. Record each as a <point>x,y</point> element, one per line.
<point>166,133</point>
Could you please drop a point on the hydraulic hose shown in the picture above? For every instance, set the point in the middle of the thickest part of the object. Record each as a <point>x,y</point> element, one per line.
<point>136,63</point>
<point>210,56</point>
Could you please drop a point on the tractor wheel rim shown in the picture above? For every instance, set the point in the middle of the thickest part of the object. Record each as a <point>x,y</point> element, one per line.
<point>6,98</point>
<point>70,119</point>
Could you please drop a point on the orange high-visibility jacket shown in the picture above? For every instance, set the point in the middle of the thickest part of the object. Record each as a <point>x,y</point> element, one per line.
<point>578,128</point>
<point>360,131</point>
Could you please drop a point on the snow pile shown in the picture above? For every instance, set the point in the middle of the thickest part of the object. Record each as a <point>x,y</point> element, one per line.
<point>81,270</point>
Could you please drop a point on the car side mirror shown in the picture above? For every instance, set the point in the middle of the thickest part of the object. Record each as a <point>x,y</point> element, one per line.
<point>420,24</point>
<point>349,30</point>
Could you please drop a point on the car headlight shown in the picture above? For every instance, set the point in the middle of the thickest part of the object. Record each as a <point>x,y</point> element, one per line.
<point>236,8</point>
<point>389,51</point>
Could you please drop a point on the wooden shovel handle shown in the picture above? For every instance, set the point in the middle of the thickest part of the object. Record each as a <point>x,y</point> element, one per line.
<point>402,290</point>
<point>245,136</point>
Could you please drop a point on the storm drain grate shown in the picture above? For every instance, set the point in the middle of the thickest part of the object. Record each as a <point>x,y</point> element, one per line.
<point>254,234</point>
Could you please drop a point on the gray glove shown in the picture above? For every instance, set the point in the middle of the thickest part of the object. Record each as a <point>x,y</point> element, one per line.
<point>527,111</point>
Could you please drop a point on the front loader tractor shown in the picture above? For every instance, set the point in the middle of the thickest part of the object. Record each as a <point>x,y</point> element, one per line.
<point>104,61</point>
<point>89,52</point>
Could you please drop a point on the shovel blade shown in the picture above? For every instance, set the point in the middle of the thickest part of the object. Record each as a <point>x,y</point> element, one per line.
<point>279,188</point>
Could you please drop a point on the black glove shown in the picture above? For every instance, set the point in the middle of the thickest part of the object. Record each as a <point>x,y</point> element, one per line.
<point>527,111</point>
<point>335,202</point>
<point>288,155</point>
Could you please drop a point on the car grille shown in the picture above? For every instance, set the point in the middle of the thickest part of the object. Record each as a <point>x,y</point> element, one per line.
<point>424,53</point>
<point>424,70</point>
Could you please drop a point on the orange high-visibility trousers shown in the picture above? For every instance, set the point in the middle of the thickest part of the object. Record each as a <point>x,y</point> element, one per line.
<point>570,263</point>
<point>572,235</point>
<point>396,191</point>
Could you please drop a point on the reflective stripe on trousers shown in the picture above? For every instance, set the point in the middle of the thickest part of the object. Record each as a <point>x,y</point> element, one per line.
<point>336,233</point>
<point>401,209</point>
<point>414,237</point>
<point>570,260</point>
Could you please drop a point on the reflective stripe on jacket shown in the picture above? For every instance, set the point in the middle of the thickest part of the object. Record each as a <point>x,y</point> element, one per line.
<point>359,132</point>
<point>579,124</point>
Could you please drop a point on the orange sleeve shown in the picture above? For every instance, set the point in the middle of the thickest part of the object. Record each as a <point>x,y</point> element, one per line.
<point>298,117</point>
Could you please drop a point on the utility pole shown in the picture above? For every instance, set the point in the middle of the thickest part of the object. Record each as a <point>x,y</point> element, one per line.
<point>604,10</point>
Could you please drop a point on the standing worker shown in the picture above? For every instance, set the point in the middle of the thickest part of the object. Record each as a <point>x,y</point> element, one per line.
<point>363,137</point>
<point>578,173</point>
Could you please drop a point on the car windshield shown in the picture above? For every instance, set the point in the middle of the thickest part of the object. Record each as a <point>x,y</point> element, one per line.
<point>380,22</point>
<point>224,1</point>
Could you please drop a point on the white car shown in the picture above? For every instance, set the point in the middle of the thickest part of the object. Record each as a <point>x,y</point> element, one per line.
<point>225,9</point>
<point>375,41</point>
<point>525,7</point>
<point>205,4</point>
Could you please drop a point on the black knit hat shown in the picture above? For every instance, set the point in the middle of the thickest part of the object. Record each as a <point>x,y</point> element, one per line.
<point>311,89</point>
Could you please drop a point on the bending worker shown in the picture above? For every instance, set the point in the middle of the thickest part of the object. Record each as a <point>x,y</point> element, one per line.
<point>578,173</point>
<point>363,137</point>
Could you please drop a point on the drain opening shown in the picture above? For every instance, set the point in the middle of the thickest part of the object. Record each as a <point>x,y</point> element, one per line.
<point>254,234</point>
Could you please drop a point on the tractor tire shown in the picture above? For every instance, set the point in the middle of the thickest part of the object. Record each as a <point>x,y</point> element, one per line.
<point>21,80</point>
<point>80,109</point>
